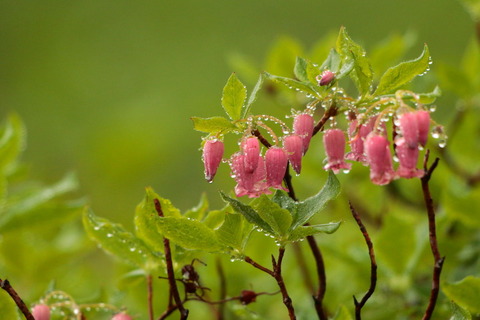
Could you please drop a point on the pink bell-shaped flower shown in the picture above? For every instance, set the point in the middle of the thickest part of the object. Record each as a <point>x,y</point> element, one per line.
<point>409,128</point>
<point>121,316</point>
<point>357,141</point>
<point>252,184</point>
<point>379,159</point>
<point>212,156</point>
<point>41,312</point>
<point>293,145</point>
<point>334,142</point>
<point>423,121</point>
<point>303,126</point>
<point>276,161</point>
<point>251,150</point>
<point>407,157</point>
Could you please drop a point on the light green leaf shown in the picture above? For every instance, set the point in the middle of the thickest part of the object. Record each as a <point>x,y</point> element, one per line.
<point>198,212</point>
<point>459,313</point>
<point>281,58</point>
<point>294,84</point>
<point>278,219</point>
<point>389,51</point>
<point>248,212</point>
<point>308,208</point>
<point>300,69</point>
<point>333,61</point>
<point>215,218</point>
<point>305,231</point>
<point>430,97</point>
<point>343,314</point>
<point>465,293</point>
<point>12,140</point>
<point>234,231</point>
<point>189,234</point>
<point>213,124</point>
<point>253,95</point>
<point>233,98</point>
<point>403,73</point>
<point>8,307</point>
<point>114,239</point>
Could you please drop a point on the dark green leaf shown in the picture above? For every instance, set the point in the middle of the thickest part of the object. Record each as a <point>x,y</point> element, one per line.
<point>212,125</point>
<point>305,231</point>
<point>114,239</point>
<point>248,212</point>
<point>465,293</point>
<point>313,205</point>
<point>403,73</point>
<point>278,219</point>
<point>283,200</point>
<point>234,231</point>
<point>294,84</point>
<point>233,98</point>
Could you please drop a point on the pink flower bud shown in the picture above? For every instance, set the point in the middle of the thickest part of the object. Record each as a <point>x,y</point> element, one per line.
<point>357,141</point>
<point>407,158</point>
<point>325,78</point>
<point>409,128</point>
<point>423,120</point>
<point>303,126</point>
<point>252,184</point>
<point>293,145</point>
<point>334,142</point>
<point>251,150</point>
<point>276,161</point>
<point>121,316</point>
<point>212,156</point>
<point>379,158</point>
<point>41,312</point>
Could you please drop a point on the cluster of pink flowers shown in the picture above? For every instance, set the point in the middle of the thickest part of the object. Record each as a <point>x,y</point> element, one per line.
<point>256,174</point>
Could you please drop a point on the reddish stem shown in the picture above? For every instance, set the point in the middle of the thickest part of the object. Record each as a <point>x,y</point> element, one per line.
<point>5,285</point>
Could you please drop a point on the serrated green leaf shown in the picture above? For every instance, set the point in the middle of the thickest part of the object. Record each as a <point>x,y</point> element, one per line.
<point>403,73</point>
<point>465,293</point>
<point>248,212</point>
<point>305,231</point>
<point>308,208</point>
<point>114,239</point>
<point>198,212</point>
<point>189,234</point>
<point>234,231</point>
<point>278,219</point>
<point>294,84</point>
<point>213,124</point>
<point>300,69</point>
<point>459,313</point>
<point>362,74</point>
<point>253,95</point>
<point>12,140</point>
<point>8,307</point>
<point>233,98</point>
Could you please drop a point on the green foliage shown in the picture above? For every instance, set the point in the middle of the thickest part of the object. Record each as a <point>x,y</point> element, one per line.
<point>233,98</point>
<point>212,125</point>
<point>465,293</point>
<point>459,313</point>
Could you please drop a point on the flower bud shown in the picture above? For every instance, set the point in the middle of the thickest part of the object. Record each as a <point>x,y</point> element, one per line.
<point>276,161</point>
<point>248,296</point>
<point>121,316</point>
<point>409,128</point>
<point>251,150</point>
<point>407,157</point>
<point>303,126</point>
<point>325,78</point>
<point>423,120</point>
<point>334,142</point>
<point>293,145</point>
<point>41,312</point>
<point>379,158</point>
<point>212,156</point>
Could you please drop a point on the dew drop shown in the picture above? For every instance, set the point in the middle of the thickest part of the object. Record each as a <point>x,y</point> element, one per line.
<point>109,235</point>
<point>132,249</point>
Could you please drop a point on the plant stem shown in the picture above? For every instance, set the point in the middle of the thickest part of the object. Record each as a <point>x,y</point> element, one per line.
<point>150,296</point>
<point>322,278</point>
<point>5,285</point>
<point>373,265</point>
<point>223,288</point>
<point>438,260</point>
<point>330,112</point>
<point>170,272</point>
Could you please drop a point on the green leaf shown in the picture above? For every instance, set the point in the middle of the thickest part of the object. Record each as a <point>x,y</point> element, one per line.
<point>8,307</point>
<point>281,58</point>
<point>198,212</point>
<point>300,69</point>
<point>215,218</point>
<point>389,51</point>
<point>342,314</point>
<point>146,217</point>
<point>189,234</point>
<point>114,239</point>
<point>333,61</point>
<point>253,95</point>
<point>305,231</point>
<point>234,231</point>
<point>403,73</point>
<point>430,97</point>
<point>278,219</point>
<point>293,84</point>
<point>248,212</point>
<point>459,313</point>
<point>213,124</point>
<point>465,293</point>
<point>12,140</point>
<point>362,74</point>
<point>308,208</point>
<point>233,98</point>
<point>283,200</point>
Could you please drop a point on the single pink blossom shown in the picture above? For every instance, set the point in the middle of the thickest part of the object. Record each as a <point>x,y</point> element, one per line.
<point>303,126</point>
<point>325,78</point>
<point>423,120</point>
<point>379,159</point>
<point>212,156</point>
<point>251,150</point>
<point>121,316</point>
<point>409,128</point>
<point>276,161</point>
<point>252,184</point>
<point>293,145</point>
<point>334,142</point>
<point>41,312</point>
<point>408,158</point>
<point>357,141</point>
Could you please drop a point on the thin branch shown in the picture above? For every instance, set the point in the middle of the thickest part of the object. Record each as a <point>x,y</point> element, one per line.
<point>330,112</point>
<point>322,279</point>
<point>171,275</point>
<point>438,260</point>
<point>150,296</point>
<point>223,288</point>
<point>373,265</point>
<point>5,285</point>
